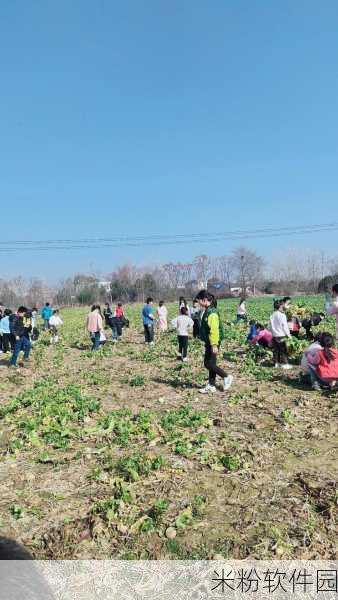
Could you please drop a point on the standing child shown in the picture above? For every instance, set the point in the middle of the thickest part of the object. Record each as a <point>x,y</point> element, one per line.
<point>183,324</point>
<point>148,322</point>
<point>195,314</point>
<point>20,328</point>
<point>211,333</point>
<point>280,330</point>
<point>162,315</point>
<point>54,323</point>
<point>118,319</point>
<point>94,326</point>
<point>241,311</point>
<point>7,338</point>
<point>46,314</point>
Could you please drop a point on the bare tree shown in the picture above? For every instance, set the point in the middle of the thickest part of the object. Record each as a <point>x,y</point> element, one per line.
<point>202,268</point>
<point>248,267</point>
<point>225,269</point>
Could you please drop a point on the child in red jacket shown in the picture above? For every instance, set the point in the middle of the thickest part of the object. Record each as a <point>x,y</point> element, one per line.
<point>324,364</point>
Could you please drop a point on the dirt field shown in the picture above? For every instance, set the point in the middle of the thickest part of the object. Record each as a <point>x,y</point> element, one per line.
<point>115,454</point>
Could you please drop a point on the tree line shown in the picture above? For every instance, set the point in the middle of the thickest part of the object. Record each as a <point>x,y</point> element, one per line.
<point>241,271</point>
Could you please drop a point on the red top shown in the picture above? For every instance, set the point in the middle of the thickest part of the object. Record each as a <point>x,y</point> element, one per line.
<point>118,311</point>
<point>326,369</point>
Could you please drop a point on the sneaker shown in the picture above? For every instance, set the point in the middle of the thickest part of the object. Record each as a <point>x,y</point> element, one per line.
<point>185,359</point>
<point>178,355</point>
<point>209,389</point>
<point>316,386</point>
<point>287,367</point>
<point>227,382</point>
<point>151,343</point>
<point>277,366</point>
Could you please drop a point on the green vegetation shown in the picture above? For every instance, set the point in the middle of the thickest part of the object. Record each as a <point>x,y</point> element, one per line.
<point>119,451</point>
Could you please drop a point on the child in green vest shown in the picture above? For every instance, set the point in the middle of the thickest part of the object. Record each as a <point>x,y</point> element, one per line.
<point>211,333</point>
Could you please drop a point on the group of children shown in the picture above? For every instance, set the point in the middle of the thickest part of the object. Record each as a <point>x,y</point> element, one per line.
<point>203,321</point>
<point>320,359</point>
<point>319,363</point>
<point>18,330</point>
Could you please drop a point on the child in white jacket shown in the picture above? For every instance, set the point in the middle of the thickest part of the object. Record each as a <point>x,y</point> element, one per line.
<point>54,323</point>
<point>280,330</point>
<point>183,325</point>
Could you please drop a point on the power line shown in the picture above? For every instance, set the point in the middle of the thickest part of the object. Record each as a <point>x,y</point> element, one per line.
<point>162,240</point>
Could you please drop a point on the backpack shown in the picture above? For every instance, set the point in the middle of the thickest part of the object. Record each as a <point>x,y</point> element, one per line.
<point>204,329</point>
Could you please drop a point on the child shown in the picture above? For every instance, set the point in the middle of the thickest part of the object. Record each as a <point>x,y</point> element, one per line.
<point>211,333</point>
<point>294,326</point>
<point>313,321</point>
<point>241,311</point>
<point>20,326</point>
<point>263,337</point>
<point>46,314</point>
<point>332,306</point>
<point>324,364</point>
<point>183,304</point>
<point>162,315</point>
<point>148,322</point>
<point>252,331</point>
<point>54,322</point>
<point>183,324</point>
<point>310,352</point>
<point>118,320</point>
<point>107,313</point>
<point>94,325</point>
<point>195,314</point>
<point>119,311</point>
<point>280,330</point>
<point>7,339</point>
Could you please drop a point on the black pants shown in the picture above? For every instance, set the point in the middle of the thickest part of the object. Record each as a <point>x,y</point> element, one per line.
<point>196,328</point>
<point>263,343</point>
<point>149,333</point>
<point>8,342</point>
<point>210,360</point>
<point>279,349</point>
<point>183,345</point>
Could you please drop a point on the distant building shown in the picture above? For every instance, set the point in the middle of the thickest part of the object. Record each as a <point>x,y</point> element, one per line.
<point>105,285</point>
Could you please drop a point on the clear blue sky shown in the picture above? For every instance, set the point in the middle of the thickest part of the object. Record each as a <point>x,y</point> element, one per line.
<point>165,117</point>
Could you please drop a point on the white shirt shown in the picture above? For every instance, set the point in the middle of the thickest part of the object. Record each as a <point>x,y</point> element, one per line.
<point>241,310</point>
<point>182,324</point>
<point>279,325</point>
<point>55,321</point>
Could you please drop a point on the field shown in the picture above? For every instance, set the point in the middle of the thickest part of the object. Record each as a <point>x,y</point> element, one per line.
<point>115,454</point>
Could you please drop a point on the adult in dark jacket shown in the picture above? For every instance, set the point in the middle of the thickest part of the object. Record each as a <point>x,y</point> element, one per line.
<point>21,327</point>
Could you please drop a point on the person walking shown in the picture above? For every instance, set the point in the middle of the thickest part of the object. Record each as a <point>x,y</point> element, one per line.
<point>148,321</point>
<point>183,325</point>
<point>94,325</point>
<point>55,323</point>
<point>211,333</point>
<point>46,314</point>
<point>195,314</point>
<point>20,328</point>
<point>162,316</point>
<point>8,341</point>
<point>280,331</point>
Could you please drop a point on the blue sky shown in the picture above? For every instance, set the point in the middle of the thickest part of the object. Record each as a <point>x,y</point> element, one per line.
<point>165,117</point>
